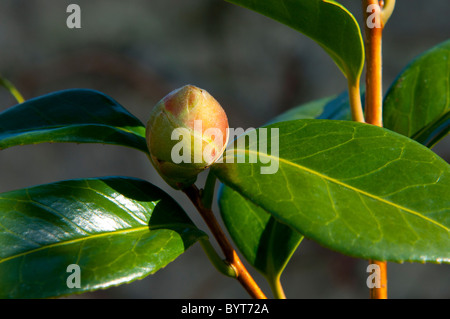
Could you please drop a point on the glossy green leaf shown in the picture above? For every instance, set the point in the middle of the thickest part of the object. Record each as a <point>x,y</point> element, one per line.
<point>327,22</point>
<point>115,229</point>
<point>265,243</point>
<point>356,188</point>
<point>76,115</point>
<point>421,93</point>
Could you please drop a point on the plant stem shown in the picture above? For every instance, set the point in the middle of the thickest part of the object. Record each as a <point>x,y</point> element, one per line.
<point>380,293</point>
<point>207,193</point>
<point>231,256</point>
<point>354,95</point>
<point>374,100</point>
<point>276,287</point>
<point>374,90</point>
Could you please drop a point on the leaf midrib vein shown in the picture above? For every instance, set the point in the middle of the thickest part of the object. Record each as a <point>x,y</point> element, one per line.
<point>72,241</point>
<point>333,180</point>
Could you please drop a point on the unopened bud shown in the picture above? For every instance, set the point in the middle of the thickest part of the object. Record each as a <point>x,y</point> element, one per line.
<point>186,133</point>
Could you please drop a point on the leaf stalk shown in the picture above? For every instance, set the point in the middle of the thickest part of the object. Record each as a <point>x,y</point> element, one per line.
<point>354,95</point>
<point>276,287</point>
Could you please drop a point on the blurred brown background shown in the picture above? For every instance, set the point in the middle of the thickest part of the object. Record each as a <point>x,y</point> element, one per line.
<point>138,51</point>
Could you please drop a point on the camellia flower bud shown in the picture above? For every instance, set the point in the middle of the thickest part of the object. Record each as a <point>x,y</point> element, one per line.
<point>186,133</point>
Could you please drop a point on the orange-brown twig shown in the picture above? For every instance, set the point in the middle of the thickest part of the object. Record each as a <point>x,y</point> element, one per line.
<point>231,256</point>
<point>374,98</point>
<point>373,40</point>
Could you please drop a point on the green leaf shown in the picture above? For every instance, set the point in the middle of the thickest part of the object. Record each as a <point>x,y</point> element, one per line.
<point>309,110</point>
<point>265,243</point>
<point>327,22</point>
<point>421,93</point>
<point>356,188</point>
<point>330,108</point>
<point>115,229</point>
<point>431,134</point>
<point>76,115</point>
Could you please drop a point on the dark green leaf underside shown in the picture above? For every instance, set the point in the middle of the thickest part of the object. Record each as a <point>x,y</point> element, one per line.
<point>76,116</point>
<point>355,188</point>
<point>435,131</point>
<point>115,229</point>
<point>330,108</point>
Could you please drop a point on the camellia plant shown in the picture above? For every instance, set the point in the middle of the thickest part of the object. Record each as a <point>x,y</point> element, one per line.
<point>327,170</point>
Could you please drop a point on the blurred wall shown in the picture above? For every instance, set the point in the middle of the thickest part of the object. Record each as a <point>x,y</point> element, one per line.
<point>138,51</point>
